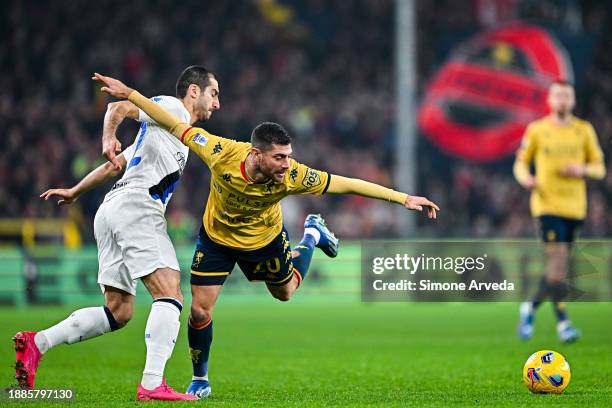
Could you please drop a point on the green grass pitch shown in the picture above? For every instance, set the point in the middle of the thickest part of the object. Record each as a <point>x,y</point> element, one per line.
<point>312,352</point>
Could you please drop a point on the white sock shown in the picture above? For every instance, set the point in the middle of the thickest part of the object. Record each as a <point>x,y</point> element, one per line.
<point>81,325</point>
<point>160,336</point>
<point>313,232</point>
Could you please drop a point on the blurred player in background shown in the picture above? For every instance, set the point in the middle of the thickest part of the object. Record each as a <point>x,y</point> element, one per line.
<point>565,151</point>
<point>130,231</point>
<point>242,222</point>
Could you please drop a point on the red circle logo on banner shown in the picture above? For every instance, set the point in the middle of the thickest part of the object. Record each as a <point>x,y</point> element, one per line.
<point>480,101</point>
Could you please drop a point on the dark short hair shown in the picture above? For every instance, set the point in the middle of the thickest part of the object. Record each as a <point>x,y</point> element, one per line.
<point>195,74</point>
<point>268,133</point>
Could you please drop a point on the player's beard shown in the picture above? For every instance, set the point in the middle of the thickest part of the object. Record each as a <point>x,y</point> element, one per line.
<point>202,112</point>
<point>562,113</point>
<point>270,173</point>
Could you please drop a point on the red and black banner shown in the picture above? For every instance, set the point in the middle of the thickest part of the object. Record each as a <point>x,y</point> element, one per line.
<point>479,102</point>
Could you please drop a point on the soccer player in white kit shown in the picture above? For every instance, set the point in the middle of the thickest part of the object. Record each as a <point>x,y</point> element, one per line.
<point>130,231</point>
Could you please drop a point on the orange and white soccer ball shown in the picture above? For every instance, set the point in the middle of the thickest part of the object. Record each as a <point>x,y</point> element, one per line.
<point>546,371</point>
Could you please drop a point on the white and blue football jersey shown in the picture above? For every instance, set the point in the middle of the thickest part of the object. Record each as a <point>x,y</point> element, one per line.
<point>156,159</point>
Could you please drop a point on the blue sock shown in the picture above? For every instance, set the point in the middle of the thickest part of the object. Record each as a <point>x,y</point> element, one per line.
<point>200,340</point>
<point>305,249</point>
<point>560,311</point>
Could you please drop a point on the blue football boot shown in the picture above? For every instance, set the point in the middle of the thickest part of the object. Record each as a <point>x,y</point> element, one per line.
<point>328,242</point>
<point>567,332</point>
<point>199,388</point>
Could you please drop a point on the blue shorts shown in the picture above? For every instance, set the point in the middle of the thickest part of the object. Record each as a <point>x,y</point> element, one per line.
<point>558,229</point>
<point>212,262</point>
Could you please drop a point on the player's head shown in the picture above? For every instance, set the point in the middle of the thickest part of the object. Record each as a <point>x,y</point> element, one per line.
<point>271,149</point>
<point>561,98</point>
<point>200,88</point>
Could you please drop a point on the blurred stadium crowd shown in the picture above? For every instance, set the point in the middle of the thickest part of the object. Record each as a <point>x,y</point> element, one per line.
<point>322,69</point>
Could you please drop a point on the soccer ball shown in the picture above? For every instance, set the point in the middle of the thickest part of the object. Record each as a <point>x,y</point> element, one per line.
<point>546,371</point>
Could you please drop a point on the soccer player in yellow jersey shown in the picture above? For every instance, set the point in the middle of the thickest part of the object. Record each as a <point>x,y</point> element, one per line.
<point>242,222</point>
<point>565,151</point>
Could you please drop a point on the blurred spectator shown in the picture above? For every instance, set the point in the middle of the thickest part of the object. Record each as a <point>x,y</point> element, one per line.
<point>322,69</point>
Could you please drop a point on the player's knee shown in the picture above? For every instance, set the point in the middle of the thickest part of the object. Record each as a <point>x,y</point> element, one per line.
<point>200,314</point>
<point>164,282</point>
<point>282,295</point>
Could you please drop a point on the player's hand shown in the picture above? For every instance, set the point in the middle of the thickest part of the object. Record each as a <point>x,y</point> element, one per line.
<point>573,170</point>
<point>113,86</point>
<point>66,195</point>
<point>529,183</point>
<point>111,146</point>
<point>416,203</point>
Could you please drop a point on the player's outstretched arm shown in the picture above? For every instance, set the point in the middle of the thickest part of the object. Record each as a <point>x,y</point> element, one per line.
<point>94,178</point>
<point>345,185</point>
<point>116,112</point>
<point>163,118</point>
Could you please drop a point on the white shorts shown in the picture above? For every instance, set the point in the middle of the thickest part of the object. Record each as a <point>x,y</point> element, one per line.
<point>130,231</point>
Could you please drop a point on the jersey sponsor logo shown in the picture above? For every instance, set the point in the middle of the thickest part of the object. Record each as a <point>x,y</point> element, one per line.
<point>237,201</point>
<point>200,139</point>
<point>236,220</point>
<point>119,184</point>
<point>311,179</point>
<point>180,159</point>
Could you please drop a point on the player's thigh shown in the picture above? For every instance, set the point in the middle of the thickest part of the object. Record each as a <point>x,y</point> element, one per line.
<point>164,282</point>
<point>112,271</point>
<point>147,250</point>
<point>272,264</point>
<point>212,263</point>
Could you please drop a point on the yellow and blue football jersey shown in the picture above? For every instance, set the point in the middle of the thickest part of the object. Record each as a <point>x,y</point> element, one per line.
<point>240,213</point>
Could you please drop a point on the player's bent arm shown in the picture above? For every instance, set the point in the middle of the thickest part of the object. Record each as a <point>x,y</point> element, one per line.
<point>163,118</point>
<point>116,112</point>
<point>521,171</point>
<point>594,167</point>
<point>94,178</point>
<point>345,185</point>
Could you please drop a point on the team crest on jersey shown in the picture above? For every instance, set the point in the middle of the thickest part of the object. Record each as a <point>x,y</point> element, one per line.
<point>200,139</point>
<point>311,179</point>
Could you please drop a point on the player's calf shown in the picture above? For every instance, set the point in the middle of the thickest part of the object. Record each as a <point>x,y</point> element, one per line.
<point>200,336</point>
